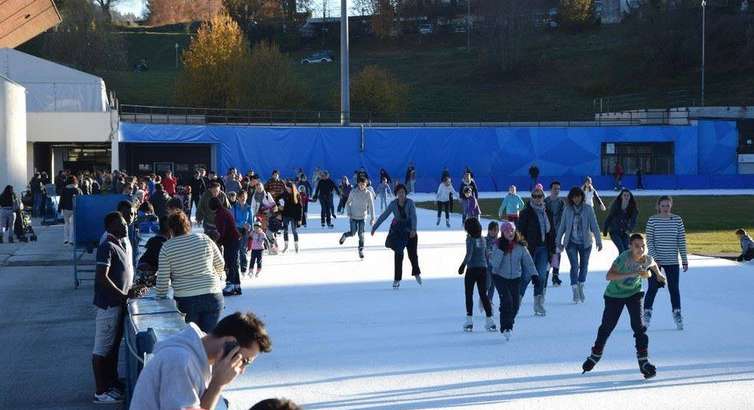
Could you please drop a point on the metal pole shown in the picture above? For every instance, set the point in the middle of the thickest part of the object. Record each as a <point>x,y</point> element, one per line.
<point>468,25</point>
<point>704,13</point>
<point>176,55</point>
<point>345,86</point>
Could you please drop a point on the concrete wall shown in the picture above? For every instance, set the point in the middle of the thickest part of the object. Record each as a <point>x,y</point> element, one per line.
<point>12,135</point>
<point>69,126</point>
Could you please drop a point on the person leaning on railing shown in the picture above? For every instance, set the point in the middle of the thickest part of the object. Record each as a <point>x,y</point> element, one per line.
<point>193,266</point>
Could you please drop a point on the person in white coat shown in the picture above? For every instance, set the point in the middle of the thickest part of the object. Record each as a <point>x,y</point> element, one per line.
<point>445,195</point>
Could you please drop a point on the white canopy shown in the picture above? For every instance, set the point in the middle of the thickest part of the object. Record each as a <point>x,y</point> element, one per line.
<point>51,86</point>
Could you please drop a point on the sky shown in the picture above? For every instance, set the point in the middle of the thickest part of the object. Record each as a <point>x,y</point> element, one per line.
<point>138,7</point>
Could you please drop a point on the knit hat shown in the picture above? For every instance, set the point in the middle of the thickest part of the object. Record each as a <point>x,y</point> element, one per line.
<point>538,187</point>
<point>507,226</point>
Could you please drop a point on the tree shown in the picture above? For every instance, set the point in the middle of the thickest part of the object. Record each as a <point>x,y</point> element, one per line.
<point>214,65</point>
<point>162,12</point>
<point>508,24</point>
<point>271,81</point>
<point>383,18</point>
<point>577,15</point>
<point>106,6</point>
<point>84,39</point>
<point>375,90</point>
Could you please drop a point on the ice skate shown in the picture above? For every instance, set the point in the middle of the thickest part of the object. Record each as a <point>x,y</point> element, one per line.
<point>396,284</point>
<point>295,246</point>
<point>507,334</point>
<point>418,279</point>
<point>575,289</point>
<point>591,361</point>
<point>447,223</point>
<point>259,270</point>
<point>678,319</point>
<point>490,325</point>
<point>438,221</point>
<point>361,254</point>
<point>469,325</point>
<point>647,317</point>
<point>582,297</point>
<point>342,239</point>
<point>647,369</point>
<point>285,247</point>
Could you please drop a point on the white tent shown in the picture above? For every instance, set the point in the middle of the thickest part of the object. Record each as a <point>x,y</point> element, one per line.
<point>53,87</point>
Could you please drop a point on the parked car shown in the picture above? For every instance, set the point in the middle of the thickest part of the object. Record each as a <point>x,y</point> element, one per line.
<point>425,29</point>
<point>318,58</point>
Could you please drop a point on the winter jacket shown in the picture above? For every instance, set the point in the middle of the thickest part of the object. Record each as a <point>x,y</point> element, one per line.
<point>360,204</point>
<point>257,240</point>
<point>528,225</point>
<point>276,187</point>
<point>160,201</point>
<point>472,185</point>
<point>345,190</point>
<point>555,208</point>
<point>242,214</point>
<point>620,220</point>
<point>291,209</point>
<point>746,244</point>
<point>169,184</point>
<point>471,207</point>
<point>511,205</point>
<point>589,227</point>
<point>444,193</point>
<point>232,185</point>
<point>408,207</point>
<point>226,226</point>
<point>197,186</point>
<point>177,375</point>
<point>476,253</point>
<point>516,264</point>
<point>203,213</point>
<point>66,197</point>
<point>325,189</point>
<point>267,202</point>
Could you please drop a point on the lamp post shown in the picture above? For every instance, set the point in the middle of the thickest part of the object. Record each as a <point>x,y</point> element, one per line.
<point>704,15</point>
<point>468,25</point>
<point>345,86</point>
<point>176,55</point>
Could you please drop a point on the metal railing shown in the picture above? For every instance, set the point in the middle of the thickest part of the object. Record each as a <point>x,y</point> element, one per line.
<point>251,117</point>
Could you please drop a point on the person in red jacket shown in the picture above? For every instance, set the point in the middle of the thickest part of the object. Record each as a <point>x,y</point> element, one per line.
<point>229,238</point>
<point>169,183</point>
<point>618,174</point>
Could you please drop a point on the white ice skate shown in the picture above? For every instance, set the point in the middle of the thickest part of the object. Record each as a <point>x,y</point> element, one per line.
<point>647,317</point>
<point>507,334</point>
<point>678,319</point>
<point>469,325</point>
<point>396,284</point>
<point>490,325</point>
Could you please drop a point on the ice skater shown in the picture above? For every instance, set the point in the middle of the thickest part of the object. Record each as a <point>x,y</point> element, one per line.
<point>469,205</point>
<point>256,244</point>
<point>510,262</point>
<point>402,234</point>
<point>384,192</point>
<point>554,204</point>
<point>624,290</point>
<point>359,205</point>
<point>536,226</point>
<point>475,266</point>
<point>511,205</point>
<point>445,194</point>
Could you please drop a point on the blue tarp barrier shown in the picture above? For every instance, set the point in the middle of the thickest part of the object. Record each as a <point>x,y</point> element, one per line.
<point>89,217</point>
<point>498,156</point>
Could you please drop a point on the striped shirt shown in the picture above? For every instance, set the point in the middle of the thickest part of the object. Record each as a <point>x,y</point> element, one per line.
<point>666,238</point>
<point>192,264</point>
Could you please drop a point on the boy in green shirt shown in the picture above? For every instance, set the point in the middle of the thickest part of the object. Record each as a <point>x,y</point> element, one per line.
<point>624,289</point>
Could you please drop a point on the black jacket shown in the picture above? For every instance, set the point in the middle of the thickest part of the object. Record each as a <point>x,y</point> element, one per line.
<point>528,225</point>
<point>290,209</point>
<point>159,201</point>
<point>618,220</point>
<point>66,197</point>
<point>325,188</point>
<point>472,184</point>
<point>198,186</point>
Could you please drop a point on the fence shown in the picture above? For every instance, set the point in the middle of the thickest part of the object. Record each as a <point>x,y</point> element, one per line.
<point>249,117</point>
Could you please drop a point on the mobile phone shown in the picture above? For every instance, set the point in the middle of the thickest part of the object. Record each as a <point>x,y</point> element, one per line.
<point>229,346</point>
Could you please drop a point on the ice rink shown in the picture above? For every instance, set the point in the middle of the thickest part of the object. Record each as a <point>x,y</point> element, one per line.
<point>344,339</point>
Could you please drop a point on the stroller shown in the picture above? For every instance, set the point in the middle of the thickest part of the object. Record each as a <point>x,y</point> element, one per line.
<point>23,229</point>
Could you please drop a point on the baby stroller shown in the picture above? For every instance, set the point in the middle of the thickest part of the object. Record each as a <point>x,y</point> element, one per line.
<point>23,229</point>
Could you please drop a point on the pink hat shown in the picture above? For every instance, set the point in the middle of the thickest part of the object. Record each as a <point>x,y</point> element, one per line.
<point>507,226</point>
<point>538,187</point>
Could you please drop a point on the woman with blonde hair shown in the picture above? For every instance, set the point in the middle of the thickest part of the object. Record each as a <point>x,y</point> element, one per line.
<point>292,211</point>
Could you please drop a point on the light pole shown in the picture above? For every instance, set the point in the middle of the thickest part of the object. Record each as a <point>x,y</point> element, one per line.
<point>176,55</point>
<point>345,86</point>
<point>468,25</point>
<point>704,15</point>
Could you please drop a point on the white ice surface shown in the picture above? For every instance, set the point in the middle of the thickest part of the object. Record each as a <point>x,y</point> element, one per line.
<point>344,339</point>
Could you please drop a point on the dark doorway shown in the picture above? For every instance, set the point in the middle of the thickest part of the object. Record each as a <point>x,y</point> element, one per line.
<point>182,159</point>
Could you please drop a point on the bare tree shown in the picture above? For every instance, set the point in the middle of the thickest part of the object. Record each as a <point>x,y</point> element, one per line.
<point>106,6</point>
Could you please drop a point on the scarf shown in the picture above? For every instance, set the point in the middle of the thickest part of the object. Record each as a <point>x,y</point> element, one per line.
<point>544,223</point>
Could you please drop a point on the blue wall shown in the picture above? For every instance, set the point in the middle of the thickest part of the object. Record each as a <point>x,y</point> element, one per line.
<point>705,153</point>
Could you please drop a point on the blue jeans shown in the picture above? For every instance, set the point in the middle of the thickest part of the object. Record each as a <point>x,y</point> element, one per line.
<point>37,208</point>
<point>578,256</point>
<point>541,259</point>
<point>293,223</point>
<point>204,310</point>
<point>673,274</point>
<point>357,227</point>
<point>620,239</point>
<point>243,253</point>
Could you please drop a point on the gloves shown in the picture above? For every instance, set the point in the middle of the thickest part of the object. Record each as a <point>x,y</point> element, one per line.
<point>461,269</point>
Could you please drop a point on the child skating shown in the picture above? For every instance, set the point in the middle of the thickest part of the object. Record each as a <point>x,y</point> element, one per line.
<point>747,246</point>
<point>469,205</point>
<point>510,261</point>
<point>257,240</point>
<point>475,266</point>
<point>624,290</point>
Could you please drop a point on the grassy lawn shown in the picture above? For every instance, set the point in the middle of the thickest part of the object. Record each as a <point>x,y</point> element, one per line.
<point>711,221</point>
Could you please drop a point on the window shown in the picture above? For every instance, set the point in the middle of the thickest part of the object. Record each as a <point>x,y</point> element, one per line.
<point>651,157</point>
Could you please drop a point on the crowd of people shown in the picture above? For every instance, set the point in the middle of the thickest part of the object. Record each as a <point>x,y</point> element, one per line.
<point>243,218</point>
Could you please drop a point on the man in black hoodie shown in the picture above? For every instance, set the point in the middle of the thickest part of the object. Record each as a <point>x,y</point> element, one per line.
<point>324,191</point>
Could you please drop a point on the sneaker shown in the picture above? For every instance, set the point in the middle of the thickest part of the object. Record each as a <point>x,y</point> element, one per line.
<point>342,239</point>
<point>490,325</point>
<point>116,393</point>
<point>396,284</point>
<point>647,317</point>
<point>418,279</point>
<point>678,319</point>
<point>106,398</point>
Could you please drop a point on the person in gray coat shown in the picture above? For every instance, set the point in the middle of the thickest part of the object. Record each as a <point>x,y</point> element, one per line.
<point>578,228</point>
<point>510,262</point>
<point>359,205</point>
<point>402,233</point>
